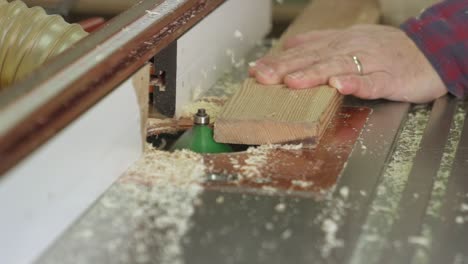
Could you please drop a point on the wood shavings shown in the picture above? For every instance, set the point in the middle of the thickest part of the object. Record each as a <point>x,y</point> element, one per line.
<point>286,234</point>
<point>220,199</point>
<point>280,208</point>
<point>384,208</point>
<point>143,217</point>
<point>269,190</point>
<point>302,184</point>
<point>237,63</point>
<point>330,227</point>
<point>180,168</point>
<point>152,13</point>
<point>331,219</point>
<point>439,189</point>
<point>344,192</point>
<point>156,126</point>
<point>258,157</point>
<point>419,240</point>
<point>238,35</point>
<point>269,226</point>
<point>266,148</point>
<point>212,105</point>
<point>253,164</point>
<point>464,207</point>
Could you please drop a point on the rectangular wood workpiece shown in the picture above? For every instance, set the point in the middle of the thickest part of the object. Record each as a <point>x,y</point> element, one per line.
<point>267,114</point>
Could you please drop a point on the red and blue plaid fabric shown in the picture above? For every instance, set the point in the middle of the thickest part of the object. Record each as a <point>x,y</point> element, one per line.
<point>441,33</point>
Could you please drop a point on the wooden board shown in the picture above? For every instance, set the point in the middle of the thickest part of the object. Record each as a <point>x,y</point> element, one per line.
<point>264,114</point>
<point>141,83</point>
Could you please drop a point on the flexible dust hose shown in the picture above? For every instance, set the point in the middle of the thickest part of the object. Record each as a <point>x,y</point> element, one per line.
<point>29,37</point>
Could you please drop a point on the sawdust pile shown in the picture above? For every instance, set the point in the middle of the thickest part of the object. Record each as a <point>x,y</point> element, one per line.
<point>258,159</point>
<point>425,242</point>
<point>140,219</point>
<point>384,208</point>
<point>331,218</point>
<point>212,105</point>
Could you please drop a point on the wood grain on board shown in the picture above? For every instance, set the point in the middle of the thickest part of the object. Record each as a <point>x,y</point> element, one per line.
<point>140,81</point>
<point>264,114</point>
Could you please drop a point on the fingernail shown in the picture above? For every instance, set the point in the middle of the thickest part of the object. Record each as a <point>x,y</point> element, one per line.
<point>264,69</point>
<point>336,84</point>
<point>296,75</point>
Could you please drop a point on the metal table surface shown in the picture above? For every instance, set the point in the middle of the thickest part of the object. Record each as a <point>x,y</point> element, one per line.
<point>401,198</point>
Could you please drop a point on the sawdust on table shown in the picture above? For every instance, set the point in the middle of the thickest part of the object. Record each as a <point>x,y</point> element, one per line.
<point>424,243</point>
<point>257,158</point>
<point>384,208</point>
<point>142,218</point>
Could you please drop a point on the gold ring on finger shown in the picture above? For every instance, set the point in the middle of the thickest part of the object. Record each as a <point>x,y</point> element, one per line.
<point>358,65</point>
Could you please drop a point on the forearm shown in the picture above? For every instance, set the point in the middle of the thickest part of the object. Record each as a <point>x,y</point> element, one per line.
<point>441,33</point>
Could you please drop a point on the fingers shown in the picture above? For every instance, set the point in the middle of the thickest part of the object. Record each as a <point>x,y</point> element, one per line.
<point>320,72</point>
<point>370,86</point>
<point>271,70</point>
<point>308,37</point>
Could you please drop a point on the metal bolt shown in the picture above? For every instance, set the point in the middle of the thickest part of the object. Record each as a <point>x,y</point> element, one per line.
<point>201,117</point>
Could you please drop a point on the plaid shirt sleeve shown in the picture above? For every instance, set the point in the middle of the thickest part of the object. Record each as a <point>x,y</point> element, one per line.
<point>441,33</point>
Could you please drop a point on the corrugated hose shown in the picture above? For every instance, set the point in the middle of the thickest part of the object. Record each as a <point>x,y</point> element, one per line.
<point>29,37</point>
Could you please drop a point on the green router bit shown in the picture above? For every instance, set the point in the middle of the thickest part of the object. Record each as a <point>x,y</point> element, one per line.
<point>199,138</point>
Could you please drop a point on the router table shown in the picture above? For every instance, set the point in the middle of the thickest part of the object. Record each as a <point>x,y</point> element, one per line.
<point>387,183</point>
<point>402,197</point>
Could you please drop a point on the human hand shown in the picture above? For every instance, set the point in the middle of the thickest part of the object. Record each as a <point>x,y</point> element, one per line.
<point>393,67</point>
